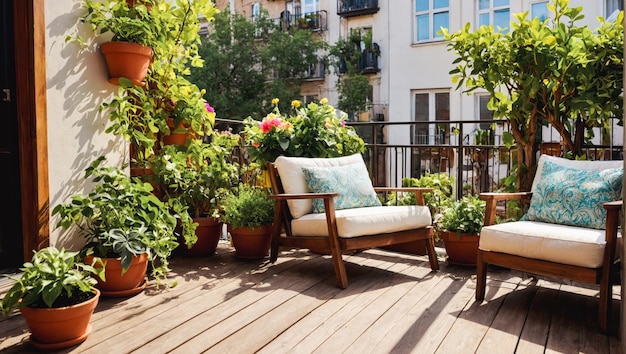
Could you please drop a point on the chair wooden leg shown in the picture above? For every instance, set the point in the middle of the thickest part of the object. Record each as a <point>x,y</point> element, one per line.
<point>340,268</point>
<point>481,277</point>
<point>606,298</point>
<point>432,255</point>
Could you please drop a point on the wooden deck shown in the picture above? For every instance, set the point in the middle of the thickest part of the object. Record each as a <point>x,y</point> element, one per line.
<point>394,303</point>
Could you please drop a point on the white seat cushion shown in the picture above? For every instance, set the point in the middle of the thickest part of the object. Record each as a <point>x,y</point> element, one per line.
<point>364,221</point>
<point>550,242</point>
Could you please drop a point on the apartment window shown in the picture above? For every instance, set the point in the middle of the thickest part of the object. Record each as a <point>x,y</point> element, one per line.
<point>311,6</point>
<point>430,16</point>
<point>431,106</point>
<point>256,11</point>
<point>494,12</point>
<point>612,8</point>
<point>482,112</point>
<point>539,10</point>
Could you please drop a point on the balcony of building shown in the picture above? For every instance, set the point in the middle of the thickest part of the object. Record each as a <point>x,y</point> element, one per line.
<point>350,8</point>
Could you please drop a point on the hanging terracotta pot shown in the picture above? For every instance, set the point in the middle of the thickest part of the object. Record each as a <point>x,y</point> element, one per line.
<point>129,60</point>
<point>61,327</point>
<point>132,282</point>
<point>209,232</point>
<point>175,138</point>
<point>462,250</point>
<point>251,243</point>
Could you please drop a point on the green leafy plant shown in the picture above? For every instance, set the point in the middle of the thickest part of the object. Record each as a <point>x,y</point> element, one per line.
<point>466,215</point>
<point>312,131</point>
<point>442,184</point>
<point>128,24</point>
<point>248,206</point>
<point>54,278</point>
<point>126,204</point>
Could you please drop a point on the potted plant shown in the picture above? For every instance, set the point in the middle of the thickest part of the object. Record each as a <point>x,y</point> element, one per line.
<point>460,226</point>
<point>56,295</point>
<point>249,214</point>
<point>134,33</point>
<point>197,176</point>
<point>124,223</point>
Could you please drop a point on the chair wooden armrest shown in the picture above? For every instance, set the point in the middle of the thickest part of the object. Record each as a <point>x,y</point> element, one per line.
<point>419,192</point>
<point>492,200</point>
<point>285,196</point>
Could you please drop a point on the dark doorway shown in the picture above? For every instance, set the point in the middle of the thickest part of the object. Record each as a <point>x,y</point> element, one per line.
<point>11,239</point>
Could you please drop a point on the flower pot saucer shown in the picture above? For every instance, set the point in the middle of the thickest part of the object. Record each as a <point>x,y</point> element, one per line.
<point>60,345</point>
<point>127,292</point>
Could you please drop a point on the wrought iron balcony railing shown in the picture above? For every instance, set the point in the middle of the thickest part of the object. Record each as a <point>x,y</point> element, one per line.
<point>349,8</point>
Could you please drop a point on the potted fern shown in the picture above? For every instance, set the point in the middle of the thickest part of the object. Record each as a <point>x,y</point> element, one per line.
<point>460,226</point>
<point>56,295</point>
<point>249,214</point>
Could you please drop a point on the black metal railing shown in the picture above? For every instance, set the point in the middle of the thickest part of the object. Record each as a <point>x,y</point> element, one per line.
<point>476,160</point>
<point>348,8</point>
<point>314,21</point>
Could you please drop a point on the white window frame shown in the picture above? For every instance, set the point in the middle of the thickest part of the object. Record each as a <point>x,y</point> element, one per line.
<point>491,10</point>
<point>611,7</point>
<point>431,12</point>
<point>310,6</point>
<point>432,114</point>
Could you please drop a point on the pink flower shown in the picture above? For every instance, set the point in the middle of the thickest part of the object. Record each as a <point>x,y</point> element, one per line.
<point>268,123</point>
<point>209,108</point>
<point>343,123</point>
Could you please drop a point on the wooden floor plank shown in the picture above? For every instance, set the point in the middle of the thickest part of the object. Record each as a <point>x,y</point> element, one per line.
<point>469,329</point>
<point>394,304</point>
<point>359,323</point>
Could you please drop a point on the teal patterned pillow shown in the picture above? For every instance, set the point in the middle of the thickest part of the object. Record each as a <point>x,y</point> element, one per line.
<point>574,197</point>
<point>352,182</point>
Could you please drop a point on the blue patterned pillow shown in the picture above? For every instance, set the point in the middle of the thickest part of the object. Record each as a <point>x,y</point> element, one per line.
<point>352,182</point>
<point>574,197</point>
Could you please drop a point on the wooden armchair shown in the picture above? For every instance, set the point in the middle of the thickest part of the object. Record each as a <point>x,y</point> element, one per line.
<point>335,231</point>
<point>547,248</point>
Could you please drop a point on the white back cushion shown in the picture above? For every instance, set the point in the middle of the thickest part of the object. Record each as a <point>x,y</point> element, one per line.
<point>292,177</point>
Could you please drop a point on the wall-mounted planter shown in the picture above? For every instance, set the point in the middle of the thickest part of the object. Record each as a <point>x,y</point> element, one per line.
<point>129,60</point>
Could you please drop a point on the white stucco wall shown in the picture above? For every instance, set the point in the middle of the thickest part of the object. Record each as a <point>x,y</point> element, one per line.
<point>76,86</point>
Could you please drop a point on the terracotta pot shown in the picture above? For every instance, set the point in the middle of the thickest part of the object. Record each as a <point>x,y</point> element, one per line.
<point>251,243</point>
<point>132,282</point>
<point>62,327</point>
<point>175,138</point>
<point>209,232</point>
<point>129,60</point>
<point>462,250</point>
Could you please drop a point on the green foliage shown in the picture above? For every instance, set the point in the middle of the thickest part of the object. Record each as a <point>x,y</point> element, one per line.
<point>52,274</point>
<point>442,184</point>
<point>119,202</point>
<point>198,175</point>
<point>312,131</point>
<point>544,72</point>
<point>354,90</point>
<point>466,215</point>
<point>240,57</point>
<point>248,206</point>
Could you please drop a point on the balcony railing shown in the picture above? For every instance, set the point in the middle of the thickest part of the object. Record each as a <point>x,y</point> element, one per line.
<point>349,8</point>
<point>455,148</point>
<point>314,21</point>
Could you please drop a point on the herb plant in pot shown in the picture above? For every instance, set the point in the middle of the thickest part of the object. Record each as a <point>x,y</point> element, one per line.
<point>461,223</point>
<point>249,214</point>
<point>197,176</point>
<point>56,295</point>
<point>124,223</point>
